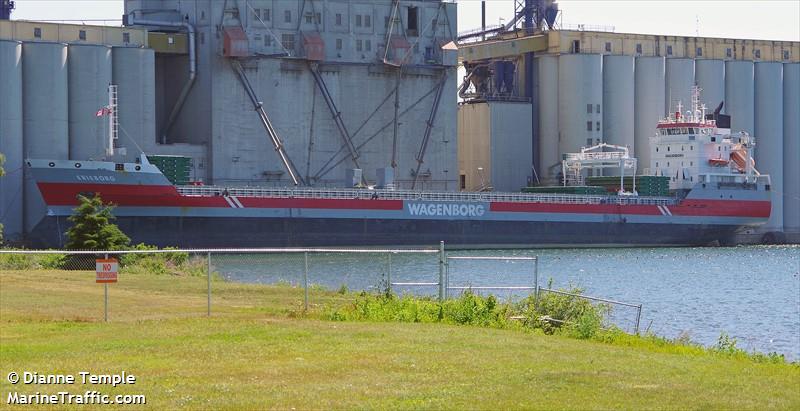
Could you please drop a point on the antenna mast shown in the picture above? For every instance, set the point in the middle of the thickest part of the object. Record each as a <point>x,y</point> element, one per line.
<point>113,120</point>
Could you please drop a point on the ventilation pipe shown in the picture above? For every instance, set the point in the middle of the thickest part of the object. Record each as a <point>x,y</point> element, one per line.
<point>176,109</point>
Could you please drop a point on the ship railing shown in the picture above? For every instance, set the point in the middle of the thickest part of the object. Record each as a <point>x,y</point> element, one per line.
<point>355,194</point>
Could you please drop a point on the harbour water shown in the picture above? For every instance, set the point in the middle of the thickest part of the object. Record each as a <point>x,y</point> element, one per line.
<point>751,293</point>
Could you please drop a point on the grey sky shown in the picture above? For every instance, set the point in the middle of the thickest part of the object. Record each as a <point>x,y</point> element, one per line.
<point>764,19</point>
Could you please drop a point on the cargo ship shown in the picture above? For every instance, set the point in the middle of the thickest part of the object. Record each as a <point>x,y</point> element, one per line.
<point>714,191</point>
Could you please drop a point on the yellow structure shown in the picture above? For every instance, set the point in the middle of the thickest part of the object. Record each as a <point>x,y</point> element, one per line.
<point>21,30</point>
<point>629,44</point>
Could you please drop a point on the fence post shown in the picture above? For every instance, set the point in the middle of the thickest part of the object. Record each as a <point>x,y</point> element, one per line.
<point>441,270</point>
<point>305,282</point>
<point>536,279</point>
<point>208,274</point>
<point>105,289</point>
<point>389,275</point>
<point>638,318</point>
<point>446,279</point>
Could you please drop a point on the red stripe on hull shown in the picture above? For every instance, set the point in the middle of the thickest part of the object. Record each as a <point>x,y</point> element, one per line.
<point>352,204</point>
<point>723,208</point>
<point>167,196</point>
<point>576,208</point>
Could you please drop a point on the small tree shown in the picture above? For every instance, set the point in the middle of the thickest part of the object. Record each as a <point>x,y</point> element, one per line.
<point>92,228</point>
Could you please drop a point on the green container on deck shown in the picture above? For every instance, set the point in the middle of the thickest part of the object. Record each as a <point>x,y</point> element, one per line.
<point>176,169</point>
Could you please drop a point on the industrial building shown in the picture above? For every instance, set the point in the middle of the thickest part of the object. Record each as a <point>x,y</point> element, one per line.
<point>257,92</point>
<point>283,92</point>
<point>578,88</point>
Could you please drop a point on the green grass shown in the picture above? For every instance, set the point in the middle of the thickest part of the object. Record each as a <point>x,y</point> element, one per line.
<point>258,350</point>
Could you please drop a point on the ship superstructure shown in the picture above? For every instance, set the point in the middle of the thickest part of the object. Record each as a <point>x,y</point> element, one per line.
<point>692,147</point>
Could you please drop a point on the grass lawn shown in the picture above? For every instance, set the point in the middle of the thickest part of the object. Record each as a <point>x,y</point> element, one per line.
<point>259,351</point>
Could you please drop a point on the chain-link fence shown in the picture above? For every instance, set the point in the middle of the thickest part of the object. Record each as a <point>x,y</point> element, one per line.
<point>135,282</point>
<point>303,273</point>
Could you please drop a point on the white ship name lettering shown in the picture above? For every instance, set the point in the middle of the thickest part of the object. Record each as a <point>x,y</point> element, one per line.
<point>91,178</point>
<point>440,210</point>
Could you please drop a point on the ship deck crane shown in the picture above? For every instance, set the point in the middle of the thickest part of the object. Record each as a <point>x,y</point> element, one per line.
<point>595,158</point>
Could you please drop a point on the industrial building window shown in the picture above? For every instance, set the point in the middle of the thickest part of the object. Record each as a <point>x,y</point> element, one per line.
<point>413,21</point>
<point>309,18</point>
<point>669,50</point>
<point>588,142</point>
<point>287,40</point>
<point>368,45</point>
<point>202,37</point>
<point>318,18</point>
<point>576,46</point>
<point>266,15</point>
<point>597,109</point>
<point>338,19</point>
<point>367,21</point>
<point>338,44</point>
<point>81,34</point>
<point>588,126</point>
<point>386,22</point>
<point>257,14</point>
<point>358,20</point>
<point>757,53</point>
<point>699,52</point>
<point>598,126</point>
<point>287,16</point>
<point>126,37</point>
<point>268,40</point>
<point>462,181</point>
<point>589,109</point>
<point>728,52</point>
<point>359,45</point>
<point>37,32</point>
<point>786,54</point>
<point>608,46</point>
<point>639,48</point>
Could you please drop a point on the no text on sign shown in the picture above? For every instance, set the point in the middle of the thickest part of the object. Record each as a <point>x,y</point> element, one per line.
<point>106,270</point>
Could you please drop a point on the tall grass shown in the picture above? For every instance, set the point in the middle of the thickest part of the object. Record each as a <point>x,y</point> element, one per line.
<point>171,263</point>
<point>550,314</point>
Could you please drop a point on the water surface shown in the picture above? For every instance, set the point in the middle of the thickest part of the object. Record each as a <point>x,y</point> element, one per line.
<point>751,293</point>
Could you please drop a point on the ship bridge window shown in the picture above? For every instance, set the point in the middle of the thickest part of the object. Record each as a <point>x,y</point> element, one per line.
<point>656,149</point>
<point>668,148</point>
<point>691,138</point>
<point>684,130</point>
<point>713,139</point>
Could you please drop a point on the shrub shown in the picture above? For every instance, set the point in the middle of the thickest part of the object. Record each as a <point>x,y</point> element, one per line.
<point>92,228</point>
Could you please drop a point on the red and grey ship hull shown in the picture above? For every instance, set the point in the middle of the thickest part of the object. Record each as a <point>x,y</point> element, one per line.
<point>151,210</point>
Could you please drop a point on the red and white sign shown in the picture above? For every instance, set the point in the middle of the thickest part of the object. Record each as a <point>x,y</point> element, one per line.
<point>106,270</point>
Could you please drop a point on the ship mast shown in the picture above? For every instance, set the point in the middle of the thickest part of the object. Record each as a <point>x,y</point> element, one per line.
<point>113,120</point>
